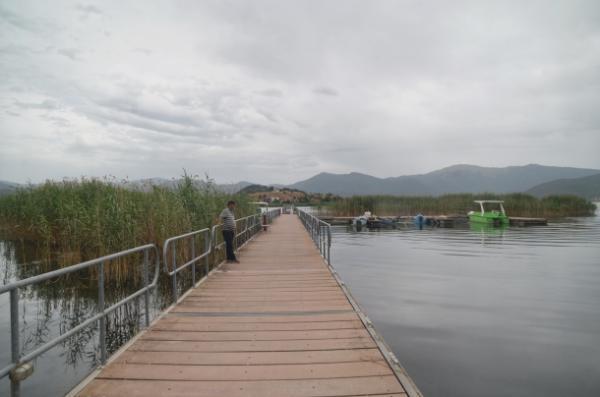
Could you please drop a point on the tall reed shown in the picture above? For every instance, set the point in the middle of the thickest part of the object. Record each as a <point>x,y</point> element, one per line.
<point>516,204</point>
<point>88,218</point>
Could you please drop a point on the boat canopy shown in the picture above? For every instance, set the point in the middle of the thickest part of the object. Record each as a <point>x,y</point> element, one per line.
<point>482,202</point>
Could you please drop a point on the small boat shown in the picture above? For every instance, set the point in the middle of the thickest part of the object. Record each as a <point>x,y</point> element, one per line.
<point>493,217</point>
<point>362,220</point>
<point>378,223</point>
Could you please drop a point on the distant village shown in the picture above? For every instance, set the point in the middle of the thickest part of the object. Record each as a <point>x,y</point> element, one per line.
<point>275,195</point>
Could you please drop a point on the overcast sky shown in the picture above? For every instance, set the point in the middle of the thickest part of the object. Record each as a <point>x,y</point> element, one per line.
<point>277,91</point>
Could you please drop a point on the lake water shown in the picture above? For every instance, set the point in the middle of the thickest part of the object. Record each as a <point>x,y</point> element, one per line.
<point>49,309</point>
<point>483,312</point>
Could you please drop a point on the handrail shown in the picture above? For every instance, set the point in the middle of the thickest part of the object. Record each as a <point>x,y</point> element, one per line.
<point>271,214</point>
<point>245,228</point>
<point>20,367</point>
<point>172,242</point>
<point>320,232</point>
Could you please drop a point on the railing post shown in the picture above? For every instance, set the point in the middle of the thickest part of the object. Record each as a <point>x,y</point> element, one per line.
<point>174,272</point>
<point>207,248</point>
<point>147,292</point>
<point>102,320</point>
<point>193,248</point>
<point>329,245</point>
<point>15,384</point>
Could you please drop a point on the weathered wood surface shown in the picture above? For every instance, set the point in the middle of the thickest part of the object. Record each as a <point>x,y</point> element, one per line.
<point>275,325</point>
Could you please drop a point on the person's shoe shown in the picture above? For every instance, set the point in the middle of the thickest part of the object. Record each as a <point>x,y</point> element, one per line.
<point>235,261</point>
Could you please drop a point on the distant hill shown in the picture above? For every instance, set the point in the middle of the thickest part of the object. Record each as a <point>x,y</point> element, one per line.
<point>455,179</point>
<point>7,187</point>
<point>587,186</point>
<point>356,183</point>
<point>232,188</point>
<point>256,189</point>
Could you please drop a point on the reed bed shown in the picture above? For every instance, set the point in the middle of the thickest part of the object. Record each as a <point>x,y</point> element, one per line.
<point>516,204</point>
<point>76,220</point>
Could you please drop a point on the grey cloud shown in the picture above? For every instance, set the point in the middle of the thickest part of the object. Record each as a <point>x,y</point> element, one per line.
<point>271,92</point>
<point>144,51</point>
<point>47,104</point>
<point>267,115</point>
<point>17,20</point>
<point>325,91</point>
<point>71,53</point>
<point>88,9</point>
<point>58,121</point>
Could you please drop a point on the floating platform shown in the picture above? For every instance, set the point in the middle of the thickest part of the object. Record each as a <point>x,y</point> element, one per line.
<point>438,220</point>
<point>520,221</point>
<point>337,220</point>
<point>280,323</point>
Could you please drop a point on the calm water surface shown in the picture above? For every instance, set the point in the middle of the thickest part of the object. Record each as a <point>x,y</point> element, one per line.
<point>483,312</point>
<point>49,309</point>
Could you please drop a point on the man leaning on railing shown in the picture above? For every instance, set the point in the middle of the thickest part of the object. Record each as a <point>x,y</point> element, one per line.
<point>228,219</point>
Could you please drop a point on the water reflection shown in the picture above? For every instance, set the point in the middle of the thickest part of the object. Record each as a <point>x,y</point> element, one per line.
<point>51,308</point>
<point>479,311</point>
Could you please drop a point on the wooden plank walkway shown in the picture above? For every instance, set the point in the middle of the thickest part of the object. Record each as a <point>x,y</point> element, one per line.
<point>278,324</point>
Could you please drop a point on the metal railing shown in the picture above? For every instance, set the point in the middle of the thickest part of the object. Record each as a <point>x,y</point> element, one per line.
<point>319,231</point>
<point>245,228</point>
<point>198,244</point>
<point>187,241</point>
<point>210,242</point>
<point>271,214</point>
<point>20,367</point>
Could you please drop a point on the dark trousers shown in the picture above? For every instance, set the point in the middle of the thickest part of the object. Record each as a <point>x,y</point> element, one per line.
<point>228,236</point>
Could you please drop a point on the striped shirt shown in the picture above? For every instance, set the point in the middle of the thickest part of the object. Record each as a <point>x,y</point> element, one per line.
<point>227,219</point>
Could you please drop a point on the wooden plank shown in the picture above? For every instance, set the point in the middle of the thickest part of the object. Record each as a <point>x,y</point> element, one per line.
<point>362,386</point>
<point>251,358</point>
<point>190,308</point>
<point>286,305</point>
<point>300,317</point>
<point>246,372</point>
<point>255,346</point>
<point>255,335</point>
<point>291,288</point>
<point>203,326</point>
<point>253,301</point>
<point>264,280</point>
<point>263,299</point>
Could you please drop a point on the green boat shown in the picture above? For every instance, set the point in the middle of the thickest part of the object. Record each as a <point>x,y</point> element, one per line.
<point>493,217</point>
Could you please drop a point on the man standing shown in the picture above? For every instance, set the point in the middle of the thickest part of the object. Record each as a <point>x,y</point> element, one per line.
<point>228,220</point>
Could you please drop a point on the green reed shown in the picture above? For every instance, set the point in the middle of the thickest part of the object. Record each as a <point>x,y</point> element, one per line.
<point>516,204</point>
<point>87,218</point>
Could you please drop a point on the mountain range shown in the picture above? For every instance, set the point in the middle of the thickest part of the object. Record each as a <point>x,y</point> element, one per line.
<point>534,179</point>
<point>7,187</point>
<point>587,186</point>
<point>454,179</point>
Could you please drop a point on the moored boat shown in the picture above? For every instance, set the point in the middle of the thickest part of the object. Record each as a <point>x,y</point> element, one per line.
<point>490,217</point>
<point>362,219</point>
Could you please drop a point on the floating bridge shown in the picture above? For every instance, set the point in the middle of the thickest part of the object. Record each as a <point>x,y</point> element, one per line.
<point>280,323</point>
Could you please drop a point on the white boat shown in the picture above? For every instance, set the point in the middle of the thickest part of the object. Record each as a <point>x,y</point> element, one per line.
<point>362,219</point>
